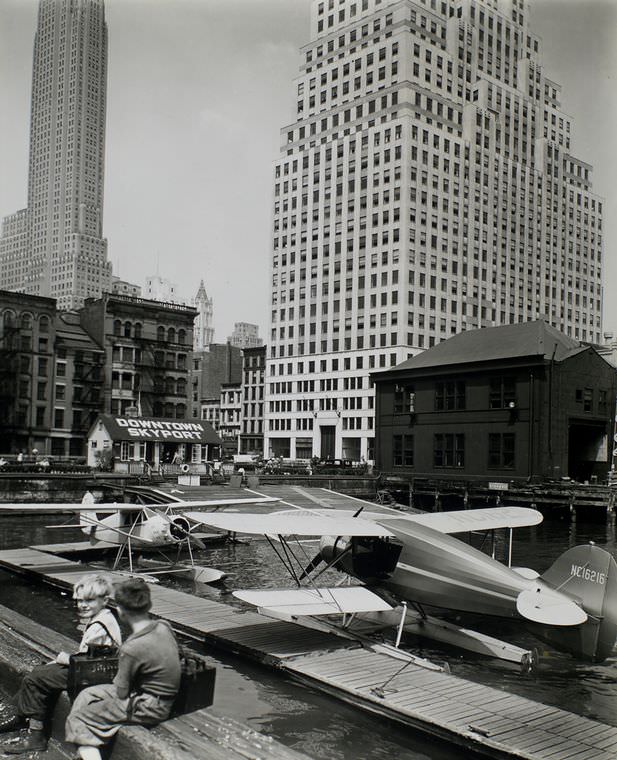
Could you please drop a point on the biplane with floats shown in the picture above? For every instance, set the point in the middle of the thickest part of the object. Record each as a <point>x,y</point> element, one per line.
<point>131,528</point>
<point>401,561</point>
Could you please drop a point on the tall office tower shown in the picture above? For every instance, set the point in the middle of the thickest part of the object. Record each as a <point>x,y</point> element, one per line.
<point>427,186</point>
<point>55,247</point>
<point>203,333</point>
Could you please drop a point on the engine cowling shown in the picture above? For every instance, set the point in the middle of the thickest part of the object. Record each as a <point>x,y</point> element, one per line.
<point>367,558</point>
<point>179,528</point>
<point>332,548</point>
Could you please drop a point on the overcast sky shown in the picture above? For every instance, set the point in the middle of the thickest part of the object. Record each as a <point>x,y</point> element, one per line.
<point>198,91</point>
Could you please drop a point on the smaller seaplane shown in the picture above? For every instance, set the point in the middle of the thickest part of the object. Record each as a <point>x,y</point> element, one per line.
<point>133,528</point>
<point>414,560</point>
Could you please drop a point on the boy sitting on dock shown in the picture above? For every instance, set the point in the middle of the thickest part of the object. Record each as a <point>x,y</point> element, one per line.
<point>40,688</point>
<point>147,682</point>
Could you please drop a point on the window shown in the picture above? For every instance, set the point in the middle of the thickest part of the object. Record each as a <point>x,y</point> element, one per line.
<point>404,399</point>
<point>402,451</point>
<point>58,418</point>
<point>502,392</point>
<point>449,450</point>
<point>501,451</point>
<point>450,395</point>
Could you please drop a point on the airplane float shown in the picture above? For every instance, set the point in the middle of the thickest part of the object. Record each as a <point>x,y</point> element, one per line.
<point>135,527</point>
<point>414,559</point>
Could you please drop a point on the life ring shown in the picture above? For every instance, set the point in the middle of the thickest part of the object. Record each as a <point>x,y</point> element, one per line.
<point>185,468</point>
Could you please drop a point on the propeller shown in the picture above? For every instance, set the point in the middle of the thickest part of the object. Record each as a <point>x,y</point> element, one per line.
<point>180,529</point>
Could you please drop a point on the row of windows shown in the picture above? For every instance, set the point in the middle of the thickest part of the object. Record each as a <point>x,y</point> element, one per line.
<point>449,450</point>
<point>451,395</point>
<point>169,335</point>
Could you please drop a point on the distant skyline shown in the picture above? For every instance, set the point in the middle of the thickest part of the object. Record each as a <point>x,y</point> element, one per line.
<point>198,91</point>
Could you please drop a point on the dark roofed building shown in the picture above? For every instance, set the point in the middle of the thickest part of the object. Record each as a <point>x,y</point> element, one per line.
<point>502,403</point>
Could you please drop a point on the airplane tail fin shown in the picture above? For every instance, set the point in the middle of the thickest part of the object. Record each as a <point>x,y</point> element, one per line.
<point>588,575</point>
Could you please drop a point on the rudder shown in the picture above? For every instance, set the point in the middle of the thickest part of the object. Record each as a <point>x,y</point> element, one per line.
<point>588,575</point>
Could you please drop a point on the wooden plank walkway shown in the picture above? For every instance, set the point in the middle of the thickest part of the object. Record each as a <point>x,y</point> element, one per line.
<point>479,718</point>
<point>200,735</point>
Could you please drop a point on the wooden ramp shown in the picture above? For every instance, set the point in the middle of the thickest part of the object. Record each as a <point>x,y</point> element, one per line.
<point>480,718</point>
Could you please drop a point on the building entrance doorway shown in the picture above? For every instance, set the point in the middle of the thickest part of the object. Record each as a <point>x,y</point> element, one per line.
<point>587,450</point>
<point>328,441</point>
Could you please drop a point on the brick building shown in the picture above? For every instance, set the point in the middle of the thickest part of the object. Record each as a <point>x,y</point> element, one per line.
<point>147,350</point>
<point>513,402</point>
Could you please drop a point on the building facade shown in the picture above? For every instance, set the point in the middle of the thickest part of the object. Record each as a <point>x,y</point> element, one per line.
<point>252,417</point>
<point>159,288</point>
<point>50,377</point>
<point>203,330</point>
<point>426,186</point>
<point>125,288</point>
<point>518,402</point>
<point>55,246</point>
<point>245,335</point>
<point>221,363</point>
<point>230,414</point>
<point>147,354</point>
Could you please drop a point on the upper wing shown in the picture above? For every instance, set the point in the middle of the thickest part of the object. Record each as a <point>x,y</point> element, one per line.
<point>72,507</point>
<point>123,507</point>
<point>475,519</point>
<point>444,522</point>
<point>315,601</point>
<point>222,502</point>
<point>290,524</point>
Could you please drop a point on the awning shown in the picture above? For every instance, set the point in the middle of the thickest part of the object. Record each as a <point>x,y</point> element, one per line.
<point>157,429</point>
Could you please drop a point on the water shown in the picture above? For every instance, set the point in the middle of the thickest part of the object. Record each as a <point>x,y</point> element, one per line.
<point>323,727</point>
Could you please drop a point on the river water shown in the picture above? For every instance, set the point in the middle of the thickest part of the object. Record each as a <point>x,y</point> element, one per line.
<point>325,728</point>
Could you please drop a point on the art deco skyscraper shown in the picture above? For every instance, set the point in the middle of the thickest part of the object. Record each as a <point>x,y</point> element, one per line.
<point>427,186</point>
<point>55,246</point>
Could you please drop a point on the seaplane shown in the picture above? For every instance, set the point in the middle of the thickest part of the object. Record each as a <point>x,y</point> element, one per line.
<point>402,565</point>
<point>132,528</point>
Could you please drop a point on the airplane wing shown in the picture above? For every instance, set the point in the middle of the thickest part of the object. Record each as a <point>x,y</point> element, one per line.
<point>467,520</point>
<point>72,507</point>
<point>124,507</point>
<point>221,502</point>
<point>290,524</point>
<point>461,521</point>
<point>315,601</point>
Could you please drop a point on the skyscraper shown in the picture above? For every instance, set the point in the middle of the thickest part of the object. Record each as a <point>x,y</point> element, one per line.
<point>203,333</point>
<point>427,186</point>
<point>55,246</point>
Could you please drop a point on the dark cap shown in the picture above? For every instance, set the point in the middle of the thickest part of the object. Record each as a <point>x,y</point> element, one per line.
<point>133,595</point>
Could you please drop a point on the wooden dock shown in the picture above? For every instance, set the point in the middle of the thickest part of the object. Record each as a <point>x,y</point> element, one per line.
<point>479,718</point>
<point>201,735</point>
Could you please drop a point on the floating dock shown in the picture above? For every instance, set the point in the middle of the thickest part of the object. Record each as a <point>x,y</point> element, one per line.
<point>475,717</point>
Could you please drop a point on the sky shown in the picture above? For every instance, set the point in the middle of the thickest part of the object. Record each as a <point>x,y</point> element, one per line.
<point>198,92</point>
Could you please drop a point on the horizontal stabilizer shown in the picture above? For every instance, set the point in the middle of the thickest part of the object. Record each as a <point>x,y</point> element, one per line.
<point>541,605</point>
<point>527,572</point>
<point>315,601</point>
<point>289,524</point>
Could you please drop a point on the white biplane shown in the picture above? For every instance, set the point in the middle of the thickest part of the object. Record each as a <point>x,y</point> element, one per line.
<point>414,559</point>
<point>135,527</point>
